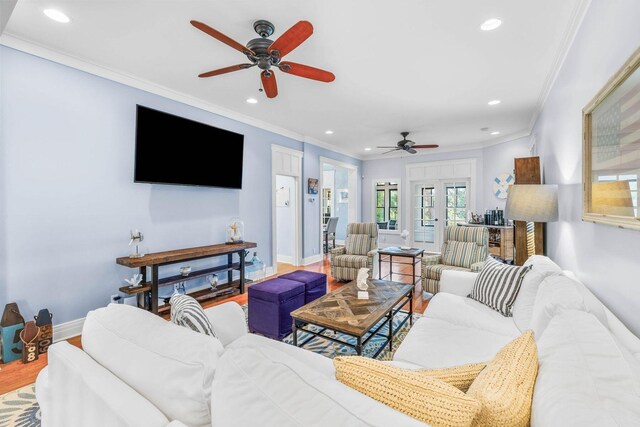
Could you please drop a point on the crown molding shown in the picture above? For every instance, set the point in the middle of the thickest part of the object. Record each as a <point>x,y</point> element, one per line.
<point>463,147</point>
<point>579,12</point>
<point>81,64</point>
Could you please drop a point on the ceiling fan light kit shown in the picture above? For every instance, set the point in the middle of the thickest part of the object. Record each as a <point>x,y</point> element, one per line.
<point>267,54</point>
<point>407,145</point>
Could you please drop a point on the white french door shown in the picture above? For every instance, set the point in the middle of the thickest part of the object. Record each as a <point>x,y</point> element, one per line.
<point>437,204</point>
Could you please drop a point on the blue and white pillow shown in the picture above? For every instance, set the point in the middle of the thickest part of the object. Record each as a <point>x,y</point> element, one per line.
<point>187,312</point>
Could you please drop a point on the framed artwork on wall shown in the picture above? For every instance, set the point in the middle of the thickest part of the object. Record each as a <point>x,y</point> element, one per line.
<point>611,150</point>
<point>343,195</point>
<point>312,186</point>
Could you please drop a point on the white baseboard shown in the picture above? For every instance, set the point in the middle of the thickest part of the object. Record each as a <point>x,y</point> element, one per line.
<point>312,259</point>
<point>287,259</point>
<point>67,330</point>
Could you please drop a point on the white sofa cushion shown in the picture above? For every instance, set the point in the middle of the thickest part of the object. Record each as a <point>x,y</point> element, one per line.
<point>435,343</point>
<point>265,386</point>
<point>541,268</point>
<point>583,378</point>
<point>559,293</point>
<point>463,311</point>
<point>169,365</point>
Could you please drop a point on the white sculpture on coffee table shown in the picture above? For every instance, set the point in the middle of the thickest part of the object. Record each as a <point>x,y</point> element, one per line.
<point>362,283</point>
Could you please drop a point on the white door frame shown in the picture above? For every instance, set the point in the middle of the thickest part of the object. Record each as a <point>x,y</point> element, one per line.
<point>354,196</point>
<point>440,171</point>
<point>288,162</point>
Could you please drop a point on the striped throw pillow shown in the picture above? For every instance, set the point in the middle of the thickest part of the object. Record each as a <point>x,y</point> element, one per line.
<point>460,254</point>
<point>187,312</point>
<point>498,284</point>
<point>357,244</point>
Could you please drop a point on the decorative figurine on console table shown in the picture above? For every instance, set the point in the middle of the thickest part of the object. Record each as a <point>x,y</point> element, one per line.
<point>235,231</point>
<point>136,238</point>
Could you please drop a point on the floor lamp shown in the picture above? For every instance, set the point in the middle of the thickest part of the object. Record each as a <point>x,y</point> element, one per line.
<point>535,204</point>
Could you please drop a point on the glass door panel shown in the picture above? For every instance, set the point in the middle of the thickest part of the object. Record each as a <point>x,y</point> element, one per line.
<point>424,216</point>
<point>456,202</point>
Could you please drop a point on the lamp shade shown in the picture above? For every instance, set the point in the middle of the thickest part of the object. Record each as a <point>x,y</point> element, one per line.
<point>532,203</point>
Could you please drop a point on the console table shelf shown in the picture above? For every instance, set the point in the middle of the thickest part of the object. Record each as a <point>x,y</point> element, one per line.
<point>148,292</point>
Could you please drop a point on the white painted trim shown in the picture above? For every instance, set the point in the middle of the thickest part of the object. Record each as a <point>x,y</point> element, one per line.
<point>374,201</point>
<point>67,330</point>
<point>464,147</point>
<point>287,259</point>
<point>577,16</point>
<point>354,213</point>
<point>473,184</point>
<point>312,259</point>
<point>286,150</point>
<point>36,49</point>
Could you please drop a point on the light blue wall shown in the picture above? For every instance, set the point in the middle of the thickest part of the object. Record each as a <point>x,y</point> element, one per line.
<point>68,198</point>
<point>311,210</point>
<point>605,258</point>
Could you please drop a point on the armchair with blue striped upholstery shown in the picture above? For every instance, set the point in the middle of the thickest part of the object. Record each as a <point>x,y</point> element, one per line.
<point>463,248</point>
<point>360,251</point>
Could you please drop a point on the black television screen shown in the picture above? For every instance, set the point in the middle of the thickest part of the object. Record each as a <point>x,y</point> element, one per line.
<point>175,150</point>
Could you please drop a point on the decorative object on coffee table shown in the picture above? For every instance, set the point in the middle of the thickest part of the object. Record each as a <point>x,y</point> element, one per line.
<point>29,337</point>
<point>362,283</point>
<point>235,231</point>
<point>136,238</point>
<point>343,312</point>
<point>44,322</point>
<point>11,325</point>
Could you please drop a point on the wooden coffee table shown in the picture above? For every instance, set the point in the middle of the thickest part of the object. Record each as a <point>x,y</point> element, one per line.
<point>342,311</point>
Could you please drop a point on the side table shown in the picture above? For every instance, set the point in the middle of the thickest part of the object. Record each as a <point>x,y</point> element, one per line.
<point>414,253</point>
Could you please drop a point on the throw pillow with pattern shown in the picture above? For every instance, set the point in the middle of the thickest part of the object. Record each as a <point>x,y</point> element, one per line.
<point>187,312</point>
<point>498,284</point>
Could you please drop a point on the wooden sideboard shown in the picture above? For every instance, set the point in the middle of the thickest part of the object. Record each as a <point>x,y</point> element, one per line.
<point>148,291</point>
<point>500,240</point>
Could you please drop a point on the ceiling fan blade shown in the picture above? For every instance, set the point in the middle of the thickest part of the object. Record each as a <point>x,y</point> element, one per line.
<point>395,149</point>
<point>426,146</point>
<point>411,150</point>
<point>292,38</point>
<point>218,35</point>
<point>226,70</point>
<point>307,72</point>
<point>269,84</point>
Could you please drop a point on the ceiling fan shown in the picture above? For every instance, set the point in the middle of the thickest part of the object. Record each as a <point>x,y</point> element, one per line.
<point>266,53</point>
<point>407,145</point>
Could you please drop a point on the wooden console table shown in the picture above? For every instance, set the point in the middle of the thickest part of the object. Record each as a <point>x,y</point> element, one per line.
<point>149,286</point>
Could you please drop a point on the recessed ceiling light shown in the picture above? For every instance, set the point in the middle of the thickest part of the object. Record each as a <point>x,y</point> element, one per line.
<point>56,15</point>
<point>495,132</point>
<point>490,24</point>
<point>367,149</point>
<point>252,101</point>
<point>494,102</point>
<point>328,132</point>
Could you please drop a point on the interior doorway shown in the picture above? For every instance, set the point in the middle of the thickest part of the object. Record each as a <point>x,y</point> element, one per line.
<point>286,206</point>
<point>338,204</point>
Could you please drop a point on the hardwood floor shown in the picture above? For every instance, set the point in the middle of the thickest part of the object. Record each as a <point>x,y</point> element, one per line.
<point>17,374</point>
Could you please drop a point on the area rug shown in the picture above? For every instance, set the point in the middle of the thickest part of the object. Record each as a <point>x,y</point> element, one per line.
<point>19,408</point>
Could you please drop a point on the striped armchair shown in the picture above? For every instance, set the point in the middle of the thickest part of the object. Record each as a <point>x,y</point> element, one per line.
<point>360,251</point>
<point>464,248</point>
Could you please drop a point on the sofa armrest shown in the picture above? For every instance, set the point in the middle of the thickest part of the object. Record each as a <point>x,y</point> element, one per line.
<point>228,321</point>
<point>431,260</point>
<point>477,266</point>
<point>340,250</point>
<point>457,282</point>
<point>372,263</point>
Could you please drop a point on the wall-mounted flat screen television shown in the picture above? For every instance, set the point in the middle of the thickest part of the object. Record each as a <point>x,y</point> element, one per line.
<point>175,150</point>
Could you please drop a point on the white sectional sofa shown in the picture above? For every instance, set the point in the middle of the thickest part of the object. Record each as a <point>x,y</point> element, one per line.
<point>139,370</point>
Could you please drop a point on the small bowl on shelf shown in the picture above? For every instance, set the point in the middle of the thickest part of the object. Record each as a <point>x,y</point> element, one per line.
<point>185,271</point>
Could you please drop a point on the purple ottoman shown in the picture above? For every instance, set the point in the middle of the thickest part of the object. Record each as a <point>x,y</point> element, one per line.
<point>315,284</point>
<point>270,306</point>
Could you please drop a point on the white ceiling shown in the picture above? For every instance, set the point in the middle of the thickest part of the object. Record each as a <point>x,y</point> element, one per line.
<point>417,65</point>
